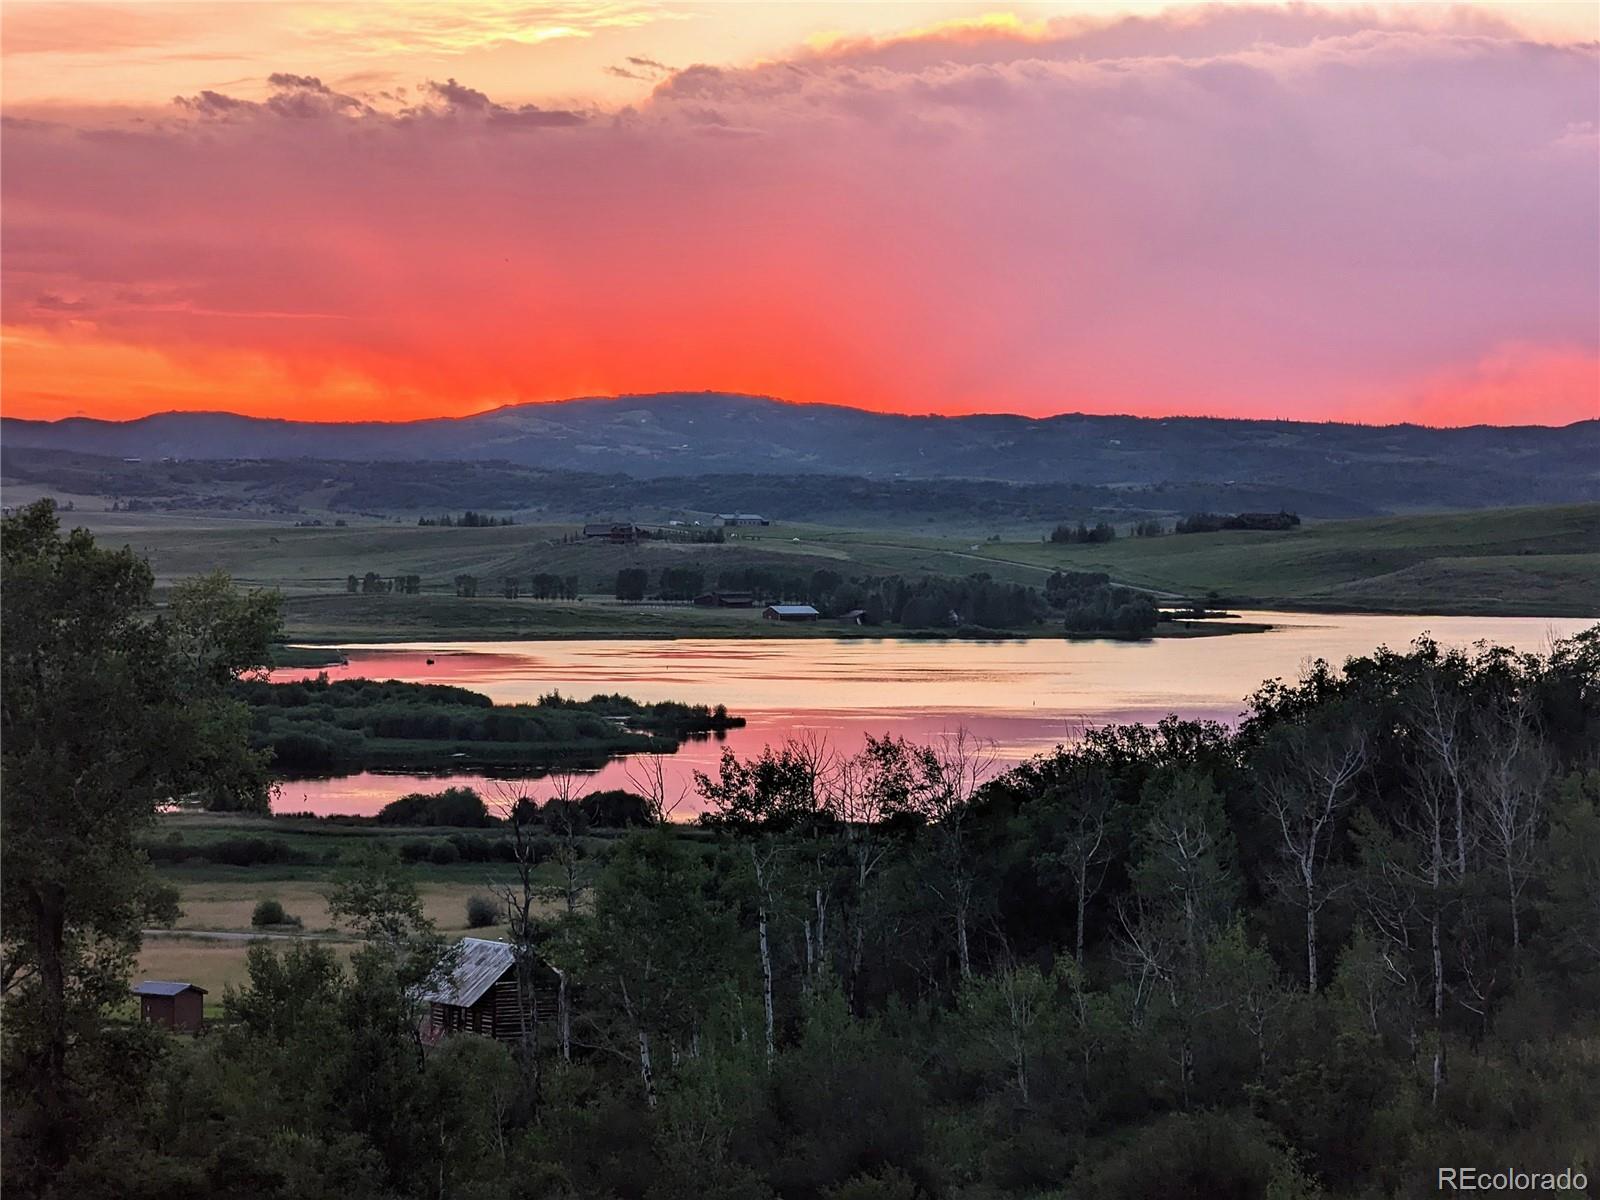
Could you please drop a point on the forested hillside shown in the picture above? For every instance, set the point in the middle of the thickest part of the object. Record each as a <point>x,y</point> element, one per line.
<point>1319,955</point>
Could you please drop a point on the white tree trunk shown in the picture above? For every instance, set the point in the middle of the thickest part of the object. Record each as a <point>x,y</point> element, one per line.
<point>564,1018</point>
<point>766,982</point>
<point>646,1074</point>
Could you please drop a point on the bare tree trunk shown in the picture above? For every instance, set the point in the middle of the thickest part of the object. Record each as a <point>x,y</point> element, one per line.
<point>1438,1008</point>
<point>822,926</point>
<point>766,981</point>
<point>564,1018</point>
<point>963,951</point>
<point>646,1072</point>
<point>1083,900</point>
<point>810,954</point>
<point>1515,905</point>
<point>1311,941</point>
<point>766,951</point>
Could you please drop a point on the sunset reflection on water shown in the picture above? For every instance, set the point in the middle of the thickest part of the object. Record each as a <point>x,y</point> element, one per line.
<point>1021,697</point>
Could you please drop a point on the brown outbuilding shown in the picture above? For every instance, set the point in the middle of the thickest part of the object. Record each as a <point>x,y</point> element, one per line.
<point>179,1006</point>
<point>480,996</point>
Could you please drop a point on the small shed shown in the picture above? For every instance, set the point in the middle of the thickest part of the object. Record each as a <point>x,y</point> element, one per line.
<point>176,1005</point>
<point>481,995</point>
<point>790,612</point>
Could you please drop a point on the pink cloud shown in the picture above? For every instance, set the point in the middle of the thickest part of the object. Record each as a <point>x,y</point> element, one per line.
<point>1266,212</point>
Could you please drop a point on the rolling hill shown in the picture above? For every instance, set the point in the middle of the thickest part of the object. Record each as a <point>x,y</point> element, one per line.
<point>1383,468</point>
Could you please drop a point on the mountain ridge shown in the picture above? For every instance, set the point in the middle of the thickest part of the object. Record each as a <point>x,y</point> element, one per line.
<point>656,435</point>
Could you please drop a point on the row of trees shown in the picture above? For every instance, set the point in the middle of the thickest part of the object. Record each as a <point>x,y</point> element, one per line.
<point>468,520</point>
<point>1090,603</point>
<point>1083,534</point>
<point>542,585</point>
<point>1215,522</point>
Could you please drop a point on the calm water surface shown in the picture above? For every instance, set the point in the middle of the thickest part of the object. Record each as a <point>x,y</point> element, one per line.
<point>1022,696</point>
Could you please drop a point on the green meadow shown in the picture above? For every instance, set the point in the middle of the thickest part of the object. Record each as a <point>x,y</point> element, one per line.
<point>1536,561</point>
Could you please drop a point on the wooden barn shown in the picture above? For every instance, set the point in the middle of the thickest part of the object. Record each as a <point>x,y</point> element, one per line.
<point>790,612</point>
<point>612,531</point>
<point>179,1006</point>
<point>481,996</point>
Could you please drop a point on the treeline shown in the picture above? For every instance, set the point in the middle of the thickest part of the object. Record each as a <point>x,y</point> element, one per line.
<point>350,724</point>
<point>1090,603</point>
<point>1083,534</point>
<point>467,520</point>
<point>1206,522</point>
<point>1316,956</point>
<point>464,808</point>
<point>542,585</point>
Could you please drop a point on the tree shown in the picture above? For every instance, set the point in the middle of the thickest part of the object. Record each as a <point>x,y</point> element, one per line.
<point>520,899</point>
<point>1307,781</point>
<point>1510,777</point>
<point>758,802</point>
<point>110,710</point>
<point>1076,813</point>
<point>564,817</point>
<point>1184,888</point>
<point>631,583</point>
<point>866,790</point>
<point>654,945</point>
<point>951,772</point>
<point>1007,1015</point>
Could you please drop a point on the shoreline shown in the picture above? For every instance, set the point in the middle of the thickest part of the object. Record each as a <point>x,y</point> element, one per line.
<point>326,650</point>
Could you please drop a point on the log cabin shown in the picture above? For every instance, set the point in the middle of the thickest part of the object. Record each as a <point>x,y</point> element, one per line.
<point>480,996</point>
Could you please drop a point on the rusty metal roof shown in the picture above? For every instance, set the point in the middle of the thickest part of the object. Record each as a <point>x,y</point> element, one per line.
<point>478,968</point>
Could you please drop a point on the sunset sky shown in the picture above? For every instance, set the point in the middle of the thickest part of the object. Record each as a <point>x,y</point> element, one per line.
<point>389,210</point>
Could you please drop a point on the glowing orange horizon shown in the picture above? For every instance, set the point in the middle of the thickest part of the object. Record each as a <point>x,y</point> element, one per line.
<point>48,380</point>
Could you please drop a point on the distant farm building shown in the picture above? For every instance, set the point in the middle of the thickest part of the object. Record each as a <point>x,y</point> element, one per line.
<point>726,600</point>
<point>853,617</point>
<point>481,995</point>
<point>734,519</point>
<point>612,531</point>
<point>790,612</point>
<point>179,1006</point>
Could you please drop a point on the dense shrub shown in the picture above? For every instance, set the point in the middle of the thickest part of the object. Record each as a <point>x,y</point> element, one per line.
<point>615,808</point>
<point>482,911</point>
<point>457,806</point>
<point>442,854</point>
<point>415,850</point>
<point>270,912</point>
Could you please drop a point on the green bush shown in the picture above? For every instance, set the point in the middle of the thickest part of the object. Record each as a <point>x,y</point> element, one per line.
<point>270,912</point>
<point>443,854</point>
<point>482,912</point>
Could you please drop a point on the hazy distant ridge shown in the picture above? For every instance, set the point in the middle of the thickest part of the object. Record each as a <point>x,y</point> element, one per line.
<point>672,434</point>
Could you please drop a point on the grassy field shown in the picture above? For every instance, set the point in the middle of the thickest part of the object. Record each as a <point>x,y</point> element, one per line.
<point>1530,561</point>
<point>216,898</point>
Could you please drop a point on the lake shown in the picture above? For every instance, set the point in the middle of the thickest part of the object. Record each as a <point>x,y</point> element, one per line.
<point>1022,697</point>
